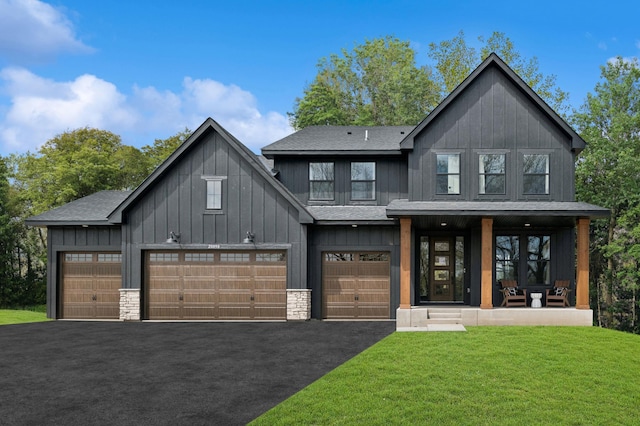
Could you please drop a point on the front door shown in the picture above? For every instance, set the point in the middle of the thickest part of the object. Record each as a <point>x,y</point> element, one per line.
<point>442,265</point>
<point>441,269</point>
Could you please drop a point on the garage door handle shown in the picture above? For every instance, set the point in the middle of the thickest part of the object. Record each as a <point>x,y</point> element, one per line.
<point>357,297</point>
<point>94,297</point>
<point>181,297</point>
<point>252,298</point>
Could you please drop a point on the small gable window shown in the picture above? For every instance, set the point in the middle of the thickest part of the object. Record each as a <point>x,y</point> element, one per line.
<point>214,192</point>
<point>363,181</point>
<point>536,174</point>
<point>321,181</point>
<point>448,174</point>
<point>492,174</point>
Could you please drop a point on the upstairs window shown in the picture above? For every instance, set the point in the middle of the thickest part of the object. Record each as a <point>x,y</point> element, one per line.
<point>321,181</point>
<point>448,174</point>
<point>363,181</point>
<point>214,194</point>
<point>492,174</point>
<point>536,174</point>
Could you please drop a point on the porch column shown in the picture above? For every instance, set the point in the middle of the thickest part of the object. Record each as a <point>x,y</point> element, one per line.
<point>582,273</point>
<point>486,283</point>
<point>405,263</point>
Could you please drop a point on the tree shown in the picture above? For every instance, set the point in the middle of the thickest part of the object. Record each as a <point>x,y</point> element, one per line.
<point>75,164</point>
<point>608,174</point>
<point>378,83</point>
<point>162,148</point>
<point>454,61</point>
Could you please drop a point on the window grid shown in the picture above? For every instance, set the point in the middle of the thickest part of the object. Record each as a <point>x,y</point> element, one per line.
<point>339,257</point>
<point>321,181</point>
<point>448,174</point>
<point>536,174</point>
<point>234,257</point>
<point>78,257</point>
<point>363,181</point>
<point>109,257</point>
<point>163,257</point>
<point>492,173</point>
<point>270,257</point>
<point>198,257</point>
<point>214,194</point>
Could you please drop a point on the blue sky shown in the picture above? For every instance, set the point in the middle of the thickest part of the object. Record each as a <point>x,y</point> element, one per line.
<point>146,69</point>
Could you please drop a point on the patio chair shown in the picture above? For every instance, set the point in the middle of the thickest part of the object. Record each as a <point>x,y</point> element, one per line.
<point>513,296</point>
<point>559,294</point>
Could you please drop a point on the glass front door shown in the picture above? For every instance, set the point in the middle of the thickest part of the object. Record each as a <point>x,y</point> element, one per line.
<point>441,268</point>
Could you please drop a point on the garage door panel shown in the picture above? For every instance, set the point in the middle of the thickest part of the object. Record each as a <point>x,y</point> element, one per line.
<point>90,287</point>
<point>219,285</point>
<point>356,285</point>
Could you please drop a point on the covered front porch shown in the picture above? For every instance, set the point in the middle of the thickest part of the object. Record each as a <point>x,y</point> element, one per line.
<point>564,226</point>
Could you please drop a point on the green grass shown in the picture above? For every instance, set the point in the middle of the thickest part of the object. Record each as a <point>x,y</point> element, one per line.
<point>14,316</point>
<point>486,376</point>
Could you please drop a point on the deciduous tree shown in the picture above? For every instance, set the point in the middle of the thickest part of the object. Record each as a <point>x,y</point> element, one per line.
<point>608,174</point>
<point>377,83</point>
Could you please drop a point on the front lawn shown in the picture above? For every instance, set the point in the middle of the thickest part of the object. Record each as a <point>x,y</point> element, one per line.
<point>488,375</point>
<point>11,316</point>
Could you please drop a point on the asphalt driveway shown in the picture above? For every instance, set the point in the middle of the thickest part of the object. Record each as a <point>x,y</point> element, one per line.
<point>98,373</point>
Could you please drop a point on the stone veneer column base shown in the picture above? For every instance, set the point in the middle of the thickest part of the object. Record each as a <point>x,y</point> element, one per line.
<point>298,304</point>
<point>130,304</point>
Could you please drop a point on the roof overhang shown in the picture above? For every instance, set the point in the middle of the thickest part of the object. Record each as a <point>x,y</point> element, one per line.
<point>399,208</point>
<point>53,223</point>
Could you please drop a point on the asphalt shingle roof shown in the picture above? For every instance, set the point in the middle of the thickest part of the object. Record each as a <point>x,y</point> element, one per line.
<point>315,139</point>
<point>349,213</point>
<point>92,209</point>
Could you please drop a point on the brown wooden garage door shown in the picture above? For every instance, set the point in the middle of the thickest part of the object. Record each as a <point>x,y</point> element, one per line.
<point>234,285</point>
<point>91,285</point>
<point>355,285</point>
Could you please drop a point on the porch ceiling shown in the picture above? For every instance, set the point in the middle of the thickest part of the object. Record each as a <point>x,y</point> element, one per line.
<point>506,214</point>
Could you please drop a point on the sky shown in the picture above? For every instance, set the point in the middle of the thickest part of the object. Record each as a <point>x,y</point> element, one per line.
<point>147,69</point>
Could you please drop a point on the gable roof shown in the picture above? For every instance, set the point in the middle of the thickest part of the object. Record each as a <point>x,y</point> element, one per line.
<point>93,209</point>
<point>340,140</point>
<point>209,125</point>
<point>577,143</point>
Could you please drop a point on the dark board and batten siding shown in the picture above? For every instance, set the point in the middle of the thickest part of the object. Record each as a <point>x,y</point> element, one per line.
<point>391,178</point>
<point>176,202</point>
<point>360,239</point>
<point>491,115</point>
<point>74,239</point>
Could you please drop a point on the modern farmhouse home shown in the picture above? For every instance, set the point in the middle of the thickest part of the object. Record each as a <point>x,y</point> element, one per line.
<point>416,224</point>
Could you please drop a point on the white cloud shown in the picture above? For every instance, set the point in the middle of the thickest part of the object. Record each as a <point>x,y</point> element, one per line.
<point>31,30</point>
<point>41,108</point>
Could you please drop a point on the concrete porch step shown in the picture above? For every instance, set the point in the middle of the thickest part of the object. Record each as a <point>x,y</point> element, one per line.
<point>443,321</point>
<point>444,315</point>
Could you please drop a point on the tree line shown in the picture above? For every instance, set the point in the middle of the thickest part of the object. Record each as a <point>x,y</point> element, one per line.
<point>378,82</point>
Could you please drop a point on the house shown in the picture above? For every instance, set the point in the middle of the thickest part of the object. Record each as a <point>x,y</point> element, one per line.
<point>348,223</point>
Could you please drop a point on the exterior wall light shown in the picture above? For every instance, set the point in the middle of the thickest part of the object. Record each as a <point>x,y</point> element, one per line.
<point>173,238</point>
<point>250,238</point>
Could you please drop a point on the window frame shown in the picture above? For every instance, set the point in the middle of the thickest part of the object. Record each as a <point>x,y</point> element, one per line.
<point>546,175</point>
<point>522,258</point>
<point>211,182</point>
<point>448,174</point>
<point>332,181</point>
<point>372,181</point>
<point>482,174</point>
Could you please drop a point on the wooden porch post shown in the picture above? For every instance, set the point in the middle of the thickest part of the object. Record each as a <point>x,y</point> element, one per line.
<point>582,273</point>
<point>405,263</point>
<point>486,284</point>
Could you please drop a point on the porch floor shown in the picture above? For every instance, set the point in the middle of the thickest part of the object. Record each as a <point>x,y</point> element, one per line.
<point>424,316</point>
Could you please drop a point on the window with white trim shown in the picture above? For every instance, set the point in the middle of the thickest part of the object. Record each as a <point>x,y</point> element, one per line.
<point>213,192</point>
